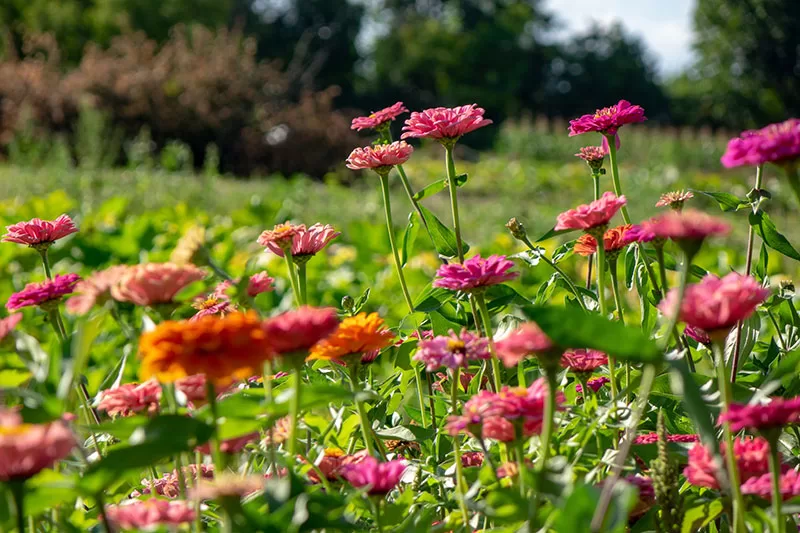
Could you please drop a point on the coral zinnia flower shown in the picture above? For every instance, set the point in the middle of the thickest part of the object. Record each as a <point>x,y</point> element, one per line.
<point>260,283</point>
<point>307,242</point>
<point>527,339</point>
<point>689,225</point>
<point>147,515</point>
<point>224,349</point>
<point>46,293</point>
<point>776,414</point>
<point>154,283</point>
<point>9,323</point>
<point>452,351</point>
<point>607,120</point>
<point>378,119</point>
<point>593,215</point>
<point>38,233</point>
<point>582,360</point>
<point>752,460</point>
<point>27,449</point>
<point>234,445</point>
<point>380,158</point>
<point>717,304</point>
<point>652,438</point>
<point>131,398</point>
<point>281,236</point>
<point>445,124</point>
<point>674,200</point>
<point>614,239</point>
<point>378,478</point>
<point>295,332</point>
<point>762,485</point>
<point>94,290</point>
<point>475,273</point>
<point>355,335</point>
<point>776,143</point>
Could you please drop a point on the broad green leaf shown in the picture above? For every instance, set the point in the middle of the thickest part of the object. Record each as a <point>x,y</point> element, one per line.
<point>790,364</point>
<point>431,189</point>
<point>685,387</point>
<point>726,201</point>
<point>699,516</point>
<point>766,229</point>
<point>572,328</point>
<point>407,433</point>
<point>443,237</point>
<point>432,298</point>
<point>409,236</point>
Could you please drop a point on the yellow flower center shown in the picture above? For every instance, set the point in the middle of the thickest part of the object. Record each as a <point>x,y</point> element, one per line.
<point>20,429</point>
<point>455,345</point>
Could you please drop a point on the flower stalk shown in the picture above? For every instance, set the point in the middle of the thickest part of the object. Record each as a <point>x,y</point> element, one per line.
<point>450,165</point>
<point>366,427</point>
<point>460,484</point>
<point>775,472</point>
<point>487,325</point>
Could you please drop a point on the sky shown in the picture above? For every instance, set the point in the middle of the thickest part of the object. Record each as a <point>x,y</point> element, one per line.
<point>664,25</point>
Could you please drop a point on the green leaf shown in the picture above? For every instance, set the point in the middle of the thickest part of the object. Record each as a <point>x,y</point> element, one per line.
<point>553,233</point>
<point>766,229</point>
<point>685,387</point>
<point>444,240</point>
<point>727,202</point>
<point>432,298</point>
<point>700,516</point>
<point>431,189</point>
<point>409,236</point>
<point>788,365</point>
<point>572,328</point>
<point>407,433</point>
<point>762,267</point>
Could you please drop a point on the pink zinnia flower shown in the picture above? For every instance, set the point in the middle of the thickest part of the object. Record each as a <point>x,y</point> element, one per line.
<point>637,233</point>
<point>697,334</point>
<point>476,273</point>
<point>147,515</point>
<point>776,143</point>
<point>260,283</point>
<point>131,398</point>
<point>652,438</point>
<point>281,236</point>
<point>776,414</point>
<point>380,158</point>
<point>607,120</point>
<point>674,200</point>
<point>452,351</point>
<point>94,290</point>
<point>595,384</point>
<point>45,293</point>
<point>307,242</point>
<point>469,459</point>
<point>295,332</point>
<point>527,339</point>
<point>592,154</point>
<point>9,323</point>
<point>193,387</point>
<point>332,463</point>
<point>40,233</point>
<point>762,485</point>
<point>685,225</point>
<point>717,304</point>
<point>168,485</point>
<point>752,460</point>
<point>234,445</point>
<point>27,449</point>
<point>379,478</point>
<point>583,360</point>
<point>445,123</point>
<point>593,215</point>
<point>378,119</point>
<point>154,283</point>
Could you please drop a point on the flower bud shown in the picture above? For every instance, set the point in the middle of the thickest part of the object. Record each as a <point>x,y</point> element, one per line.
<point>516,228</point>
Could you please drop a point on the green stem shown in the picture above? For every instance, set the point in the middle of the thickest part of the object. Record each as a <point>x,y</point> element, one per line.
<point>18,492</point>
<point>216,452</point>
<point>612,265</point>
<point>366,427</point>
<point>294,411</point>
<point>301,282</point>
<point>793,179</point>
<point>612,156</point>
<point>172,404</point>
<point>420,396</point>
<point>387,207</point>
<point>521,374</point>
<point>198,504</point>
<point>601,280</point>
<point>101,509</point>
<point>596,182</point>
<point>378,518</point>
<point>487,326</point>
<point>549,414</point>
<point>46,263</point>
<point>560,272</point>
<point>777,497</point>
<point>460,484</point>
<point>217,270</point>
<point>520,446</point>
<point>662,268</point>
<point>451,182</point>
<point>781,342</point>
<point>287,255</point>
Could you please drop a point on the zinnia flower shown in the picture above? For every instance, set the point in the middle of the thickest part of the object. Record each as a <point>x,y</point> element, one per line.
<point>355,335</point>
<point>527,339</point>
<point>469,459</point>
<point>607,120</point>
<point>227,485</point>
<point>168,485</point>
<point>193,388</point>
<point>295,332</point>
<point>379,119</point>
<point>45,294</point>
<point>716,304</point>
<point>149,514</point>
<point>464,379</point>
<point>595,384</point>
<point>445,124</point>
<point>306,243</point>
<point>688,225</point>
<point>674,200</point>
<point>593,215</point>
<point>8,323</point>
<point>154,283</point>
<point>332,462</point>
<point>593,155</point>
<point>38,233</point>
<point>131,398</point>
<point>759,417</point>
<point>475,273</point>
<point>260,283</point>
<point>281,236</point>
<point>379,478</point>
<point>776,143</point>
<point>224,349</point>
<point>380,158</point>
<point>652,438</point>
<point>614,240</point>
<point>752,460</point>
<point>583,361</point>
<point>452,351</point>
<point>94,290</point>
<point>27,449</point>
<point>647,494</point>
<point>697,334</point>
<point>762,485</point>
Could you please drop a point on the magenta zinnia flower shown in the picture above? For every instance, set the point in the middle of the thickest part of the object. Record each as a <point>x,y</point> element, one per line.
<point>147,515</point>
<point>607,120</point>
<point>379,119</point>
<point>595,384</point>
<point>452,351</point>
<point>527,339</point>
<point>593,215</point>
<point>27,449</point>
<point>307,242</point>
<point>381,157</point>
<point>445,124</point>
<point>652,438</point>
<point>716,304</point>
<point>379,478</point>
<point>154,283</point>
<point>583,360</point>
<point>762,485</point>
<point>44,293</point>
<point>697,334</point>
<point>295,332</point>
<point>776,143</point>
<point>689,225</point>
<point>40,233</point>
<point>475,273</point>
<point>131,398</point>
<point>776,414</point>
<point>752,460</point>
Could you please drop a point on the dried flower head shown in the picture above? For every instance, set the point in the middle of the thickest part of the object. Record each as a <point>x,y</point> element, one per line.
<point>445,124</point>
<point>154,283</point>
<point>379,119</point>
<point>608,119</point>
<point>380,158</point>
<point>45,293</point>
<point>38,233</point>
<point>593,215</point>
<point>355,335</point>
<point>475,274</point>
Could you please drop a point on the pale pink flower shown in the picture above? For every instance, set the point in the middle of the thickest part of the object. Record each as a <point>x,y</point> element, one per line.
<point>94,290</point>
<point>380,158</point>
<point>652,438</point>
<point>154,283</point>
<point>595,384</point>
<point>527,339</point>
<point>762,486</point>
<point>592,155</point>
<point>131,398</point>
<point>476,273</point>
<point>45,293</point>
<point>752,460</point>
<point>777,413</point>
<point>716,304</point>
<point>592,215</point>
<point>295,332</point>
<point>40,233</point>
<point>443,123</point>
<point>776,143</point>
<point>27,449</point>
<point>583,360</point>
<point>8,323</point>
<point>308,242</point>
<point>379,119</point>
<point>260,283</point>
<point>607,120</point>
<point>149,514</point>
<point>280,236</point>
<point>452,351</point>
<point>378,478</point>
<point>674,200</point>
<point>689,225</point>
<point>227,485</point>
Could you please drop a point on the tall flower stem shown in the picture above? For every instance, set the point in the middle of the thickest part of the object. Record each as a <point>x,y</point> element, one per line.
<point>290,266</point>
<point>294,409</point>
<point>18,492</point>
<point>487,325</point>
<point>450,164</point>
<point>601,280</point>
<point>596,183</point>
<point>366,427</point>
<point>612,157</point>
<point>737,350</point>
<point>387,207</point>
<point>612,265</point>
<point>266,377</point>
<point>558,270</point>
<point>301,283</point>
<point>549,415</point>
<point>172,404</point>
<point>420,396</point>
<point>662,268</point>
<point>45,262</point>
<point>775,471</point>
<point>216,452</point>
<point>460,484</point>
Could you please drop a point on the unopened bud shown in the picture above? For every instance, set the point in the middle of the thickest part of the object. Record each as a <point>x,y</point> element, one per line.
<point>517,229</point>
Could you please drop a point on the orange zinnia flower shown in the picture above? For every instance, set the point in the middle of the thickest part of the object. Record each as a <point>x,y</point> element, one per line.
<point>613,239</point>
<point>225,349</point>
<point>355,335</point>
